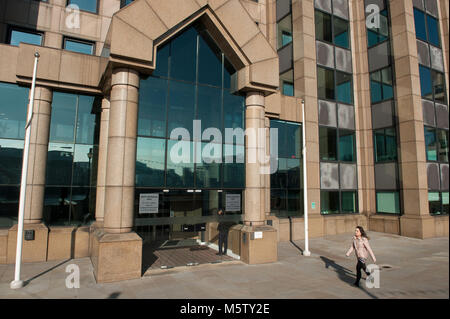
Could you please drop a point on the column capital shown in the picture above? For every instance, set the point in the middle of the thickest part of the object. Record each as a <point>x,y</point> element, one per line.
<point>125,76</point>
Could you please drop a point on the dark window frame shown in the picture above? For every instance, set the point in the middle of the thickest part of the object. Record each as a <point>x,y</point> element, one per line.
<point>433,99</point>
<point>388,18</point>
<point>332,30</point>
<point>65,38</point>
<point>400,213</point>
<point>383,99</point>
<point>438,147</point>
<point>441,202</point>
<point>96,9</point>
<point>335,86</point>
<point>12,28</point>
<point>426,28</point>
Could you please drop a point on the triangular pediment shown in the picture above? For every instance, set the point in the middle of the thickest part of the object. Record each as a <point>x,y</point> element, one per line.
<point>138,30</point>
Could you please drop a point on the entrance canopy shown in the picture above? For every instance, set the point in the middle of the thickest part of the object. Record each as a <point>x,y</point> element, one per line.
<point>140,28</point>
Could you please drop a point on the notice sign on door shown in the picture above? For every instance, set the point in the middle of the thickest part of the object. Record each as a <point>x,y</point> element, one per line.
<point>233,202</point>
<point>148,203</point>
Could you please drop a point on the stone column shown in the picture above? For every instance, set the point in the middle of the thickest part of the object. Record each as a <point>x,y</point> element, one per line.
<point>35,250</point>
<point>254,179</point>
<point>363,112</point>
<point>416,221</point>
<point>121,152</point>
<point>305,84</point>
<point>102,161</point>
<point>37,161</point>
<point>116,252</point>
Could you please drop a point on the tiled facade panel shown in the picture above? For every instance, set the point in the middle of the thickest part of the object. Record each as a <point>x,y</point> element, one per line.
<point>431,6</point>
<point>382,115</point>
<point>348,176</point>
<point>433,176</point>
<point>386,176</point>
<point>340,8</point>
<point>327,113</point>
<point>285,58</point>
<point>329,176</point>
<point>346,116</point>
<point>437,61</point>
<point>324,54</point>
<point>444,177</point>
<point>343,60</point>
<point>423,53</point>
<point>441,116</point>
<point>324,5</point>
<point>379,56</point>
<point>428,113</point>
<point>283,8</point>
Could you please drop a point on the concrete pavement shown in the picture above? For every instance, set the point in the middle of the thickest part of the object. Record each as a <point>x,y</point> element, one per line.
<point>411,268</point>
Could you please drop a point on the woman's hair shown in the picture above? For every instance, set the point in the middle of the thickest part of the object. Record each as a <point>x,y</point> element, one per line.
<point>363,233</point>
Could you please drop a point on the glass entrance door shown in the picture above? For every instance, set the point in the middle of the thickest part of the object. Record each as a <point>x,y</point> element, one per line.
<point>181,227</point>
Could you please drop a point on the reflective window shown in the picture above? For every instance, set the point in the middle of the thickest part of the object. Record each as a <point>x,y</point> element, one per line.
<point>381,85</point>
<point>150,162</point>
<point>124,3</point>
<point>377,35</point>
<point>171,100</point>
<point>348,202</point>
<point>328,144</point>
<point>443,145</point>
<point>434,203</point>
<point>438,87</point>
<point>19,35</point>
<point>341,32</point>
<point>425,82</point>
<point>72,156</point>
<point>433,31</point>
<point>13,110</point>
<point>323,26</point>
<point>287,83</point>
<point>347,146</point>
<point>180,165</point>
<point>85,5</point>
<point>388,202</point>
<point>209,62</point>
<point>287,182</point>
<point>325,83</point>
<point>284,31</point>
<point>344,90</point>
<point>78,46</point>
<point>183,56</point>
<point>152,107</point>
<point>419,22</point>
<point>11,151</point>
<point>329,202</point>
<point>430,143</point>
<point>444,196</point>
<point>385,145</point>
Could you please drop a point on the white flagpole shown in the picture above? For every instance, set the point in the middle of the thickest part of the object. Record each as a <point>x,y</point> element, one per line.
<point>306,252</point>
<point>17,283</point>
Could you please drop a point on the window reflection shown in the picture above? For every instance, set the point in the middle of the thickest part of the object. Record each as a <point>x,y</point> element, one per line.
<point>10,161</point>
<point>13,110</point>
<point>329,202</point>
<point>341,37</point>
<point>150,162</point>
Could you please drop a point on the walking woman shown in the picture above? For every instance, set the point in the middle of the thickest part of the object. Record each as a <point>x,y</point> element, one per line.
<point>360,243</point>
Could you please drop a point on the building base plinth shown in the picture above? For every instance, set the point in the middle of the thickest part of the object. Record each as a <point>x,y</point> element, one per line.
<point>417,226</point>
<point>116,257</point>
<point>259,244</point>
<point>34,249</point>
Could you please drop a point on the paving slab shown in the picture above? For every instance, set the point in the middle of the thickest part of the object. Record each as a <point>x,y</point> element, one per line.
<point>414,269</point>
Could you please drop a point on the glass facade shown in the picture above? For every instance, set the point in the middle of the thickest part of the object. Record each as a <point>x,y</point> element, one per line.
<point>388,202</point>
<point>332,29</point>
<point>286,184</point>
<point>334,85</point>
<point>381,87</point>
<point>13,113</point>
<point>71,177</point>
<point>190,86</point>
<point>378,34</point>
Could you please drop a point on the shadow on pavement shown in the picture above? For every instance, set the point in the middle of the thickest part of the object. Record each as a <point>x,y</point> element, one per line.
<point>26,282</point>
<point>345,274</point>
<point>290,236</point>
